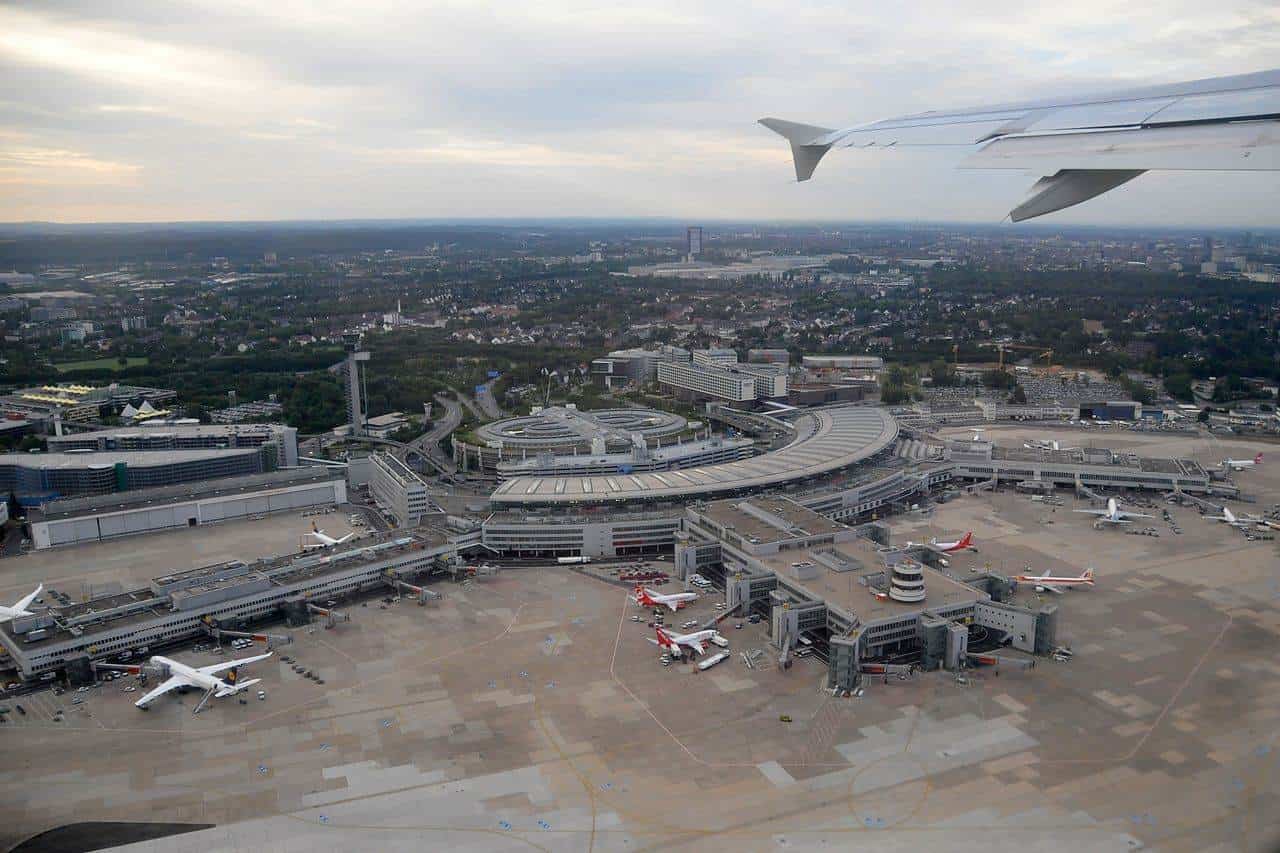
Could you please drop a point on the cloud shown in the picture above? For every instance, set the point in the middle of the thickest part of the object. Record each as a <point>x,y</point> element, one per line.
<point>237,109</point>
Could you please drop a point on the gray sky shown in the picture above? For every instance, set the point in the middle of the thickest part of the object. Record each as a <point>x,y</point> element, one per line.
<point>306,109</point>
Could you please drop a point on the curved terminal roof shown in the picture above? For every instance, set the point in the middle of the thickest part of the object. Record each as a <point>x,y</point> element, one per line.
<point>826,439</point>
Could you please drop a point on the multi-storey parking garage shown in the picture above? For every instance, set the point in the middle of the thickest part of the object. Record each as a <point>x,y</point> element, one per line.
<point>565,431</point>
<point>826,440</point>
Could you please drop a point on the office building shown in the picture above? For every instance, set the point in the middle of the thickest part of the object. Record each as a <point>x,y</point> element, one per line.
<point>693,242</point>
<point>385,426</point>
<point>399,491</point>
<point>709,380</point>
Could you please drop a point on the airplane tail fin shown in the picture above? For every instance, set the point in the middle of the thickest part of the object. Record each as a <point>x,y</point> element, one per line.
<point>236,688</point>
<point>1088,575</point>
<point>1257,460</point>
<point>801,136</point>
<point>967,540</point>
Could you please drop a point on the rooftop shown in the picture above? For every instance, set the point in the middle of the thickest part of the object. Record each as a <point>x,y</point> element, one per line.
<point>826,439</point>
<point>763,520</point>
<point>167,495</point>
<point>833,573</point>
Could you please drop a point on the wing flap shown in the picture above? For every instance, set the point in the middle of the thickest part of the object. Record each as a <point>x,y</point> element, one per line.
<point>1248,146</point>
<point>216,668</point>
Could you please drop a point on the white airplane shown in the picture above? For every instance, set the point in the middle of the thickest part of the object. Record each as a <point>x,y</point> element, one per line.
<point>204,677</point>
<point>962,544</point>
<point>1084,146</point>
<point>1229,517</point>
<point>1241,464</point>
<point>1045,444</point>
<point>977,433</point>
<point>696,642</point>
<point>648,598</point>
<point>1113,514</point>
<point>325,540</point>
<point>20,607</point>
<point>1049,583</point>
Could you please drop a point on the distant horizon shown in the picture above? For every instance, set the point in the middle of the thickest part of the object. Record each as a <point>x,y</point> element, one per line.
<point>670,221</point>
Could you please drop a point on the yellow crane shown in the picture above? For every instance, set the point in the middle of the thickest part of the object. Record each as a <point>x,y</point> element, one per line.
<point>1046,354</point>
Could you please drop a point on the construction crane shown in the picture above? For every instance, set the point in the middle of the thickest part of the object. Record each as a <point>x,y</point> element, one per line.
<point>1046,354</point>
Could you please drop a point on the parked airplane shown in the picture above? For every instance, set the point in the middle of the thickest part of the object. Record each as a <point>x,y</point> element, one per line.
<point>205,677</point>
<point>648,598</point>
<point>1113,514</point>
<point>977,433</point>
<point>1241,464</point>
<point>20,607</point>
<point>1084,146</point>
<point>1045,444</point>
<point>1229,517</point>
<point>323,539</point>
<point>962,544</point>
<point>1049,583</point>
<point>696,642</point>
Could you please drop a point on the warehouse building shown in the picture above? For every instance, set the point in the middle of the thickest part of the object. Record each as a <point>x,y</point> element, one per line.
<point>174,607</point>
<point>284,439</point>
<point>90,519</point>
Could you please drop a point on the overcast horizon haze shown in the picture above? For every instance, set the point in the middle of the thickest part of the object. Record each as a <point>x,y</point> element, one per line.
<point>311,111</point>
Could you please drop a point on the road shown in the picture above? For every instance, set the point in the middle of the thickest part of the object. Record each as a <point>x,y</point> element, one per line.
<point>428,444</point>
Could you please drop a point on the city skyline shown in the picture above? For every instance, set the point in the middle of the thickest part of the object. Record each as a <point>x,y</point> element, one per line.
<point>197,113</point>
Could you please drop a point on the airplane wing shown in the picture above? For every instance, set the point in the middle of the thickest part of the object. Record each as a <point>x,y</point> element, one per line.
<point>674,605</point>
<point>1092,511</point>
<point>171,683</point>
<point>697,644</point>
<point>214,669</point>
<point>26,600</point>
<point>1087,145</point>
<point>1135,514</point>
<point>1057,590</point>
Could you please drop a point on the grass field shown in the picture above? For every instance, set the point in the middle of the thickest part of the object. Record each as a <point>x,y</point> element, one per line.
<point>99,364</point>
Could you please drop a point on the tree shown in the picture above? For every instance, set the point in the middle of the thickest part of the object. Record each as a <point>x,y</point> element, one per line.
<point>1018,396</point>
<point>1203,417</point>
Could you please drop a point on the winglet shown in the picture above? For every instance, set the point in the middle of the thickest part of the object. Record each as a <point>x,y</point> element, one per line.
<point>801,136</point>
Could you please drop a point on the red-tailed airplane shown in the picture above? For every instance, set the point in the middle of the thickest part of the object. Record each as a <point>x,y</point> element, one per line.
<point>962,544</point>
<point>648,598</point>
<point>1049,583</point>
<point>1241,464</point>
<point>696,642</point>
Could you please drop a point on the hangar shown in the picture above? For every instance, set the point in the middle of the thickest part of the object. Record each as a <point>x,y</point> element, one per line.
<point>90,519</point>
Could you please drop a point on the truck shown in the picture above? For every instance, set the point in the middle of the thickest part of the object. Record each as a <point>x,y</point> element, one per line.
<point>720,640</point>
<point>713,660</point>
<point>572,561</point>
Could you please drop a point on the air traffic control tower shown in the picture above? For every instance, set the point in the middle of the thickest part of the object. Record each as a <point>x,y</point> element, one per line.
<point>355,381</point>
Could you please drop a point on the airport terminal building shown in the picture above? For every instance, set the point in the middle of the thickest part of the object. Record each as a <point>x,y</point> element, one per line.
<point>1093,467</point>
<point>177,606</point>
<point>837,588</point>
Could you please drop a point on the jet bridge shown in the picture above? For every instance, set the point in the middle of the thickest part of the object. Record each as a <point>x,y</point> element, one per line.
<point>400,587</point>
<point>212,629</point>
